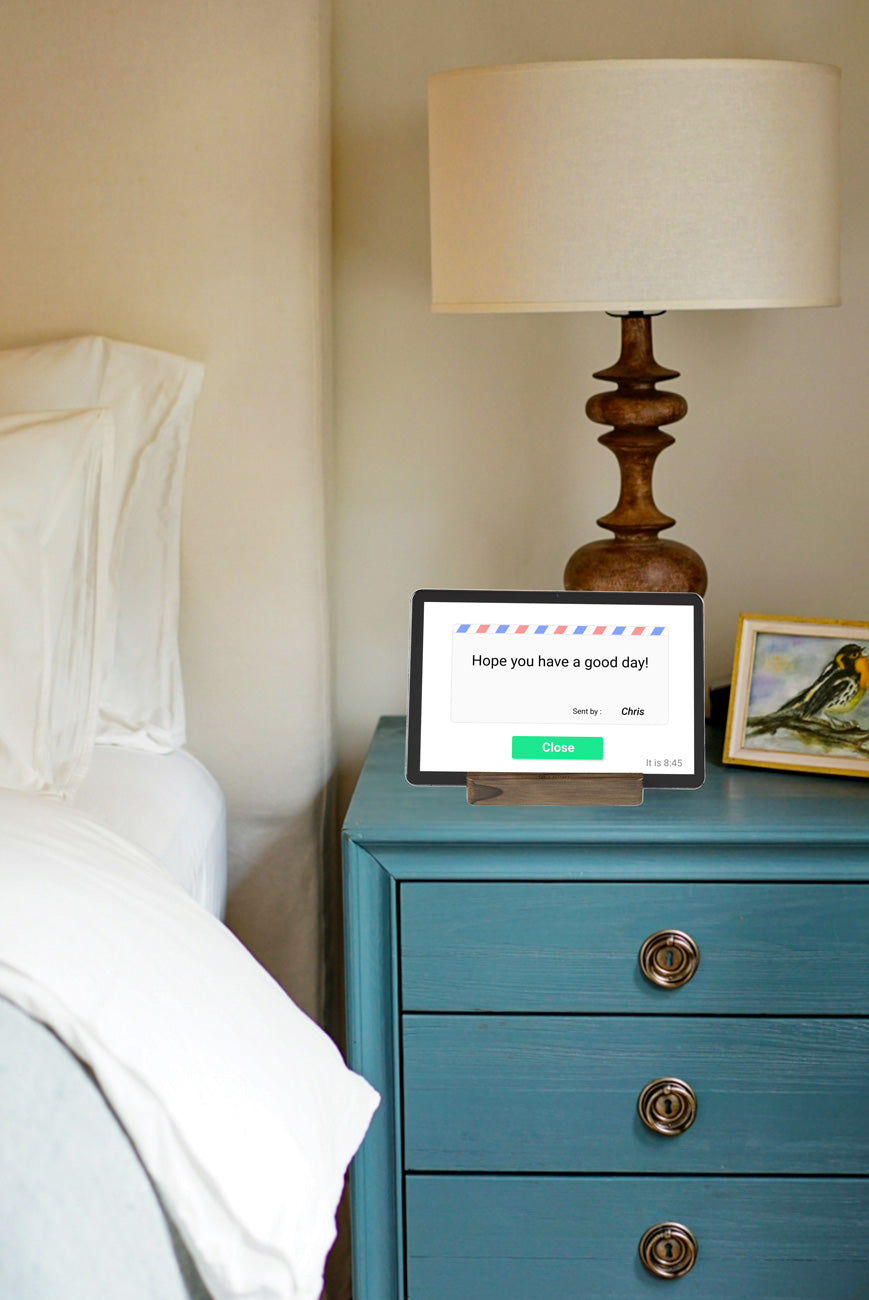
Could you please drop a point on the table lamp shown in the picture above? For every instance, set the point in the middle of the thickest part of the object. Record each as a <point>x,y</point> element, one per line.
<point>634,187</point>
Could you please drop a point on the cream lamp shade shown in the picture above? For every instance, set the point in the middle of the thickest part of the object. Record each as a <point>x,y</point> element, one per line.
<point>634,185</point>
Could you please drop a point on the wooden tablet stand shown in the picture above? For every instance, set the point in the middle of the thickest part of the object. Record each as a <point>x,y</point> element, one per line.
<point>554,788</point>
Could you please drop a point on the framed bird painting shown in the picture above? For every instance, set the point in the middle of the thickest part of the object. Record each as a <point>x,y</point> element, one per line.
<point>799,696</point>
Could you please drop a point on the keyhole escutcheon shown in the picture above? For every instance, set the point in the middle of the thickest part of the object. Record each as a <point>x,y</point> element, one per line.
<point>668,1250</point>
<point>669,958</point>
<point>668,1106</point>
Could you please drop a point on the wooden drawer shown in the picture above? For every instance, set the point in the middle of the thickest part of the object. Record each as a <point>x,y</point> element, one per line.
<point>559,1094</point>
<point>501,1238</point>
<point>572,947</point>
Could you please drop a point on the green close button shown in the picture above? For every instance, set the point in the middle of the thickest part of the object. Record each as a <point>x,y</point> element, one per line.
<point>568,747</point>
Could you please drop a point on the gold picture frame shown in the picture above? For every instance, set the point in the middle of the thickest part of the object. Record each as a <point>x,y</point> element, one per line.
<point>799,696</point>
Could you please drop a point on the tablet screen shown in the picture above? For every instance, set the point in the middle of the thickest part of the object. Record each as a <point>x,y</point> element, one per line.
<point>556,682</point>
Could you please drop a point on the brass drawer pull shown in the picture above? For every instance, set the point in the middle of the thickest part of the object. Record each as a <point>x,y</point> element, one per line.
<point>668,1250</point>
<point>667,1106</point>
<point>669,958</point>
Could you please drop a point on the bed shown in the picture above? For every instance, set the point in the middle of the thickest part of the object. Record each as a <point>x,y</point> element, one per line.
<point>173,1126</point>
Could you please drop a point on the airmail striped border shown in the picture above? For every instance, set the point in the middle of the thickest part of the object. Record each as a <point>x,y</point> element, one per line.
<point>558,629</point>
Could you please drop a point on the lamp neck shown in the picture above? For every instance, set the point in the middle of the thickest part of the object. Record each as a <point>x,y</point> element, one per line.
<point>636,559</point>
<point>636,364</point>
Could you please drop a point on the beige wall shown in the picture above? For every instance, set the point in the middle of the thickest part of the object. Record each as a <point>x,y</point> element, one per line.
<point>463,455</point>
<point>161,181</point>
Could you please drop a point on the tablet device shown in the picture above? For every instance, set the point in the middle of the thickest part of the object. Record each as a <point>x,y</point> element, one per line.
<point>556,681</point>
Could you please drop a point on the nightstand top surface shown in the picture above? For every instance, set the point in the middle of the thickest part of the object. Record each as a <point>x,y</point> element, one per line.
<point>736,805</point>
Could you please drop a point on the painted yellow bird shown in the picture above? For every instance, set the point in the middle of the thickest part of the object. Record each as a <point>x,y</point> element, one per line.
<point>839,688</point>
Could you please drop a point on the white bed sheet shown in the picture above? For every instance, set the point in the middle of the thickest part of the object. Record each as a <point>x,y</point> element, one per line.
<point>239,1106</point>
<point>167,804</point>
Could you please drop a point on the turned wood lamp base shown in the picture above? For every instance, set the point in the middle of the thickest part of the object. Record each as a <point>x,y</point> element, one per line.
<point>636,558</point>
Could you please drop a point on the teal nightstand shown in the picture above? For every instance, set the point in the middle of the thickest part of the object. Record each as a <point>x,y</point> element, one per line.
<point>496,998</point>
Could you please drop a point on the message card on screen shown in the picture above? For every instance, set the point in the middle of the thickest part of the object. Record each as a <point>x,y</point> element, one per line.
<point>559,672</point>
<point>556,681</point>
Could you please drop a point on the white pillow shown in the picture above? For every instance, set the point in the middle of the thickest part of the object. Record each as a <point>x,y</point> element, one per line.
<point>240,1107</point>
<point>55,486</point>
<point>152,396</point>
